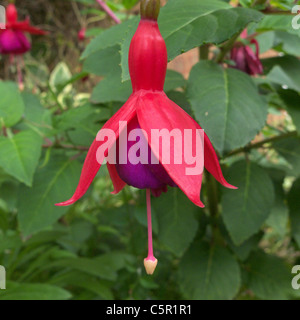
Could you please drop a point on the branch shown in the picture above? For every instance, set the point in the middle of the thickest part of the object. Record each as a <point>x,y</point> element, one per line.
<point>281,12</point>
<point>51,144</point>
<point>227,47</point>
<point>261,143</point>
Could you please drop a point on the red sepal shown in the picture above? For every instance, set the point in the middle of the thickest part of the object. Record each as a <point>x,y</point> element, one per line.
<point>91,164</point>
<point>156,111</point>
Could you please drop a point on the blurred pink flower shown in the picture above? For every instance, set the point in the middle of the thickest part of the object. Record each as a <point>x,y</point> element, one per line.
<point>12,38</point>
<point>81,34</point>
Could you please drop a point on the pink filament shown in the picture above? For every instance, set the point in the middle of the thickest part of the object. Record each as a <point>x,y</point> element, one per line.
<point>150,245</point>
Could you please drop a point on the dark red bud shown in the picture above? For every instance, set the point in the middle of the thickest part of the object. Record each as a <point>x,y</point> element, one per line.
<point>150,9</point>
<point>11,13</point>
<point>81,34</point>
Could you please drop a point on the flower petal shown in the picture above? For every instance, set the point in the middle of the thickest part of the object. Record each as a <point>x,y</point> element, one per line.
<point>26,27</point>
<point>13,42</point>
<point>118,183</point>
<point>156,111</point>
<point>92,165</point>
<point>211,162</point>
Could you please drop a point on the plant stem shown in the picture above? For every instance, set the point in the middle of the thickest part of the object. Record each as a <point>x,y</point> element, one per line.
<point>204,52</point>
<point>258,2</point>
<point>105,7</point>
<point>261,143</point>
<point>281,12</point>
<point>213,203</point>
<point>212,194</point>
<point>227,47</point>
<point>51,144</point>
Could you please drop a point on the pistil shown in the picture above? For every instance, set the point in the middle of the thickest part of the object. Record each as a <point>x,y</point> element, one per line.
<point>150,262</point>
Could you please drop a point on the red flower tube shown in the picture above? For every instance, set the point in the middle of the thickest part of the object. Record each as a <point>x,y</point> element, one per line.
<point>150,109</point>
<point>12,38</point>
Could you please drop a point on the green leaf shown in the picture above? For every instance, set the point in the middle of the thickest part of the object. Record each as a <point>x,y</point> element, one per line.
<point>269,278</point>
<point>11,103</point>
<point>294,209</point>
<point>125,44</point>
<point>38,118</point>
<point>243,251</point>
<point>20,155</point>
<point>208,273</point>
<point>194,18</point>
<point>278,218</point>
<point>291,100</point>
<point>174,80</point>
<point>9,241</point>
<point>247,208</point>
<point>108,38</point>
<point>265,41</point>
<point>72,117</point>
<point>290,150</point>
<point>111,89</point>
<point>52,184</point>
<point>59,76</point>
<point>89,266</point>
<point>128,4</point>
<point>84,281</point>
<point>103,62</point>
<point>33,291</point>
<point>277,22</point>
<point>285,72</point>
<point>181,100</point>
<point>176,221</point>
<point>226,99</point>
<point>290,43</point>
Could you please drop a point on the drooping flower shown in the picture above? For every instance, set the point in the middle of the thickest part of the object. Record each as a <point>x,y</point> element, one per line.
<point>244,57</point>
<point>12,38</point>
<point>150,109</point>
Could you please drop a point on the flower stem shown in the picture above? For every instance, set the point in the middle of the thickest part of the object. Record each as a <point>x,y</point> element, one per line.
<point>20,75</point>
<point>105,7</point>
<point>262,143</point>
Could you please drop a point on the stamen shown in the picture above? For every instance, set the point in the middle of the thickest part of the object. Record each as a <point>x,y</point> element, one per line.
<point>150,262</point>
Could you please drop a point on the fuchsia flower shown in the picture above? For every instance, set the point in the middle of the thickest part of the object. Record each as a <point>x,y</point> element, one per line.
<point>244,57</point>
<point>12,38</point>
<point>149,108</point>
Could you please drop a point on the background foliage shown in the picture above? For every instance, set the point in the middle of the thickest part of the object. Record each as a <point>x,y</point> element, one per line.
<point>241,246</point>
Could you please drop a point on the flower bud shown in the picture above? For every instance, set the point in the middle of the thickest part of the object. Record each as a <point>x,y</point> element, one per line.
<point>11,13</point>
<point>81,34</point>
<point>150,265</point>
<point>150,9</point>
